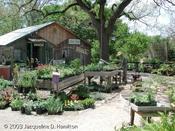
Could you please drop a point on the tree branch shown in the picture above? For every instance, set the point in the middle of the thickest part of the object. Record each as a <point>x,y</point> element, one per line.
<point>172,3</point>
<point>25,4</point>
<point>87,9</point>
<point>131,16</point>
<point>34,10</point>
<point>117,14</point>
<point>62,11</point>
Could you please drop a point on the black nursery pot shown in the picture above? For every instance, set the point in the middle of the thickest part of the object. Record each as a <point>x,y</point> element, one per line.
<point>14,109</point>
<point>22,110</point>
<point>26,90</point>
<point>20,89</point>
<point>3,107</point>
<point>40,111</point>
<point>53,113</point>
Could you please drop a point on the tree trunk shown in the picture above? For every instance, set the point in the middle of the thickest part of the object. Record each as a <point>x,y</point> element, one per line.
<point>104,47</point>
<point>104,37</point>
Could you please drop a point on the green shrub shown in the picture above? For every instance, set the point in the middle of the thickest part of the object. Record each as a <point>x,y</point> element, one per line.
<point>62,95</point>
<point>67,72</point>
<point>88,103</point>
<point>40,106</point>
<point>54,106</point>
<point>96,87</point>
<point>165,124</point>
<point>165,69</point>
<point>110,67</point>
<point>143,99</point>
<point>3,104</point>
<point>32,96</point>
<point>27,107</point>
<point>82,91</point>
<point>4,84</point>
<point>16,104</point>
<point>28,79</point>
<point>73,105</point>
<point>44,73</point>
<point>94,67</point>
<point>75,63</point>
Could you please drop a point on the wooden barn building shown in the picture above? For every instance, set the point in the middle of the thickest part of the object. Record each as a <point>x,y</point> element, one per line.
<point>46,42</point>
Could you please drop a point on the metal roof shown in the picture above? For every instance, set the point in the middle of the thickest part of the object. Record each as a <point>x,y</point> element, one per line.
<point>17,34</point>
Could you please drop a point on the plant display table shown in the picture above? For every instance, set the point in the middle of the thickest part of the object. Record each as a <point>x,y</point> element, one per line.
<point>147,111</point>
<point>70,81</point>
<point>67,82</point>
<point>116,74</point>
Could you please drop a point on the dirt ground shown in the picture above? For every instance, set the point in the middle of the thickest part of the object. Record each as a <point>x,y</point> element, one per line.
<point>107,115</point>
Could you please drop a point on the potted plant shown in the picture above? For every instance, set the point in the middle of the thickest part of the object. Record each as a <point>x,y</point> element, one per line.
<point>82,92</point>
<point>88,103</point>
<point>54,106</point>
<point>32,96</point>
<point>4,84</point>
<point>41,107</point>
<point>143,99</point>
<point>27,82</point>
<point>27,107</point>
<point>3,104</point>
<point>70,105</point>
<point>44,73</point>
<point>16,104</point>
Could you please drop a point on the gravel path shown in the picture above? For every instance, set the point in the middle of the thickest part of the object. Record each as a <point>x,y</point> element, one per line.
<point>105,117</point>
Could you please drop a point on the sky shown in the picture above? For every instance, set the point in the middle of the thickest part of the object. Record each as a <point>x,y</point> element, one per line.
<point>157,25</point>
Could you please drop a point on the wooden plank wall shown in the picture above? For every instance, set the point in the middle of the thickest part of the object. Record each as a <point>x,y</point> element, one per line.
<point>55,34</point>
<point>58,36</point>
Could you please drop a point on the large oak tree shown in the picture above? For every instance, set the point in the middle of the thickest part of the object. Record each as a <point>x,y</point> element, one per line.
<point>104,17</point>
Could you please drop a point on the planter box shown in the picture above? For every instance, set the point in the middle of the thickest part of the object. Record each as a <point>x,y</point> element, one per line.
<point>44,84</point>
<point>70,81</point>
<point>67,82</point>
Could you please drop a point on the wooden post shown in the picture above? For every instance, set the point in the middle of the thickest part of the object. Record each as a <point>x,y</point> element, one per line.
<point>137,66</point>
<point>132,115</point>
<point>166,50</point>
<point>125,68</point>
<point>149,119</point>
<point>101,80</point>
<point>89,80</point>
<point>31,50</point>
<point>109,83</point>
